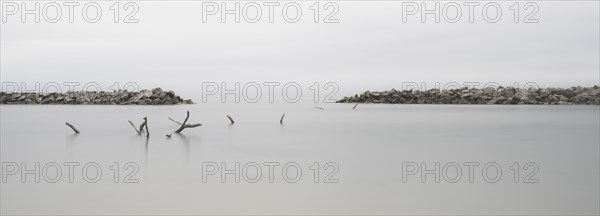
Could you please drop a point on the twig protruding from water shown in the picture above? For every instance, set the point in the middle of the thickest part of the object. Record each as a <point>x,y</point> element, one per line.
<point>184,125</point>
<point>72,127</point>
<point>146,125</point>
<point>142,127</point>
<point>230,119</point>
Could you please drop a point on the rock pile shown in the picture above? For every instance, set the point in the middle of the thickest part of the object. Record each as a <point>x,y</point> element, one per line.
<point>122,97</point>
<point>500,95</point>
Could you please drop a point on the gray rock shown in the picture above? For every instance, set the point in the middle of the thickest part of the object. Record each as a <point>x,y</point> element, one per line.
<point>563,98</point>
<point>489,95</point>
<point>122,97</point>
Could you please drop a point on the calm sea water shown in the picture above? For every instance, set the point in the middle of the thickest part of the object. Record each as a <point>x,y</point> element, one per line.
<point>367,151</point>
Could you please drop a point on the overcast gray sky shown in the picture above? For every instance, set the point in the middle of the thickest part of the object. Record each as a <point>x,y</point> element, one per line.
<point>369,48</point>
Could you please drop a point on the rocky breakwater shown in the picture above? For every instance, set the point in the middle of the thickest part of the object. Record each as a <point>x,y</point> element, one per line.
<point>500,95</point>
<point>122,97</point>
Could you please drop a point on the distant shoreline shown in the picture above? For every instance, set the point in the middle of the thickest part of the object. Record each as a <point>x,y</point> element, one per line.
<point>501,95</point>
<point>122,97</point>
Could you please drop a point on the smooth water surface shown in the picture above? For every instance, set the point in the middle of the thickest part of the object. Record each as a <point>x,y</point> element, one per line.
<point>369,145</point>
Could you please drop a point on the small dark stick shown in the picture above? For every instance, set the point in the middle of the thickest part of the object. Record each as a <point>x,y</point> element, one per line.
<point>230,119</point>
<point>354,107</point>
<point>281,120</point>
<point>73,127</point>
<point>184,125</point>
<point>147,130</point>
<point>169,135</point>
<point>321,108</point>
<point>142,127</point>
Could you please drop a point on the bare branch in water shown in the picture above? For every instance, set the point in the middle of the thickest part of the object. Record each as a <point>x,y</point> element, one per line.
<point>230,119</point>
<point>72,127</point>
<point>147,130</point>
<point>142,127</point>
<point>281,120</point>
<point>321,108</point>
<point>354,107</point>
<point>184,125</point>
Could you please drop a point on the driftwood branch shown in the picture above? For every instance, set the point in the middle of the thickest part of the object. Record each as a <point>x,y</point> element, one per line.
<point>321,108</point>
<point>184,125</point>
<point>135,128</point>
<point>354,107</point>
<point>142,127</point>
<point>281,120</point>
<point>230,119</point>
<point>72,127</point>
<point>192,125</point>
<point>146,126</point>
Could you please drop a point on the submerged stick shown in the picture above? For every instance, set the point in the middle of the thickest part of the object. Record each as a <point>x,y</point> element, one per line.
<point>354,107</point>
<point>184,121</point>
<point>230,119</point>
<point>321,108</point>
<point>281,120</point>
<point>184,125</point>
<point>72,127</point>
<point>142,127</point>
<point>135,128</point>
<point>147,130</point>
<point>192,125</point>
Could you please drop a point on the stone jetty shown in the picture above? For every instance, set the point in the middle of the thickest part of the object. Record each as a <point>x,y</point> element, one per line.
<point>490,95</point>
<point>122,97</point>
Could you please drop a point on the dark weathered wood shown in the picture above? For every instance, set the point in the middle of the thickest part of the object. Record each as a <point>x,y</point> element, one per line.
<point>184,125</point>
<point>135,128</point>
<point>146,126</point>
<point>193,125</point>
<point>354,107</point>
<point>281,120</point>
<point>72,127</point>
<point>142,127</point>
<point>230,119</point>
